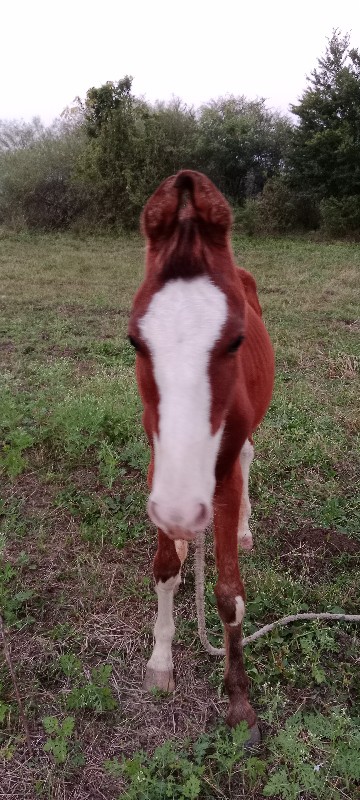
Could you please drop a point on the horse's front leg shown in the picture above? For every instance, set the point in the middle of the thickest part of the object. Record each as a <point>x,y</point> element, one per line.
<point>167,573</point>
<point>230,596</point>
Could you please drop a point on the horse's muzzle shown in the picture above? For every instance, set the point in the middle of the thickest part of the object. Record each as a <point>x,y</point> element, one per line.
<point>177,524</point>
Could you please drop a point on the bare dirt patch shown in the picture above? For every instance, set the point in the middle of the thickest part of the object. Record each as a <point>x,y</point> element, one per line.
<point>350,325</point>
<point>7,347</point>
<point>316,551</point>
<point>7,352</point>
<point>82,367</point>
<point>36,496</point>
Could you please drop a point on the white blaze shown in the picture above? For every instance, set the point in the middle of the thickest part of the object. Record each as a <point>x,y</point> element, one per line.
<point>181,326</point>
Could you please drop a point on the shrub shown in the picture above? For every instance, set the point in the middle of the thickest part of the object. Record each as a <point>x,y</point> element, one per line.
<point>341,216</point>
<point>37,189</point>
<point>52,204</point>
<point>278,210</point>
<point>247,218</point>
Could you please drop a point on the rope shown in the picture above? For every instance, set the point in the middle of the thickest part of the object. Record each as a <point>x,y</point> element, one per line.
<point>200,608</point>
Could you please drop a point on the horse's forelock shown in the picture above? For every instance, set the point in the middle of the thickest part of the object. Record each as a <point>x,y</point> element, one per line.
<point>184,220</point>
<point>185,255</point>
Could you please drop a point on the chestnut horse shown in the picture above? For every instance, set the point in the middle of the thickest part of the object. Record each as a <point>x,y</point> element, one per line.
<point>205,371</point>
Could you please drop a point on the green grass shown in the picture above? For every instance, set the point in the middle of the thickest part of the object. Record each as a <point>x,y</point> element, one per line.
<point>76,546</point>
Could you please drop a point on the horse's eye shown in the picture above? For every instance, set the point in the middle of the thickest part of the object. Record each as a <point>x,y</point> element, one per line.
<point>234,346</point>
<point>134,343</point>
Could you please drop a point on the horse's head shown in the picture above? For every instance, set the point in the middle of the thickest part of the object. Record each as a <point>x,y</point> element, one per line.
<point>187,324</point>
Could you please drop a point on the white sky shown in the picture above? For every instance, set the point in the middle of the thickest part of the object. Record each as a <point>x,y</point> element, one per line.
<point>51,51</point>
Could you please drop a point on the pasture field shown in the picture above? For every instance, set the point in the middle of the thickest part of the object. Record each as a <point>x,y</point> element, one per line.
<point>76,547</point>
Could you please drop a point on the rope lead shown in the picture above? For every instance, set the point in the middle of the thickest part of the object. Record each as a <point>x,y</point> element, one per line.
<point>200,608</point>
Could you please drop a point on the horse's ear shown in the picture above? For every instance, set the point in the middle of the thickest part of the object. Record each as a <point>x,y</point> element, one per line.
<point>208,203</point>
<point>160,214</point>
<point>208,206</point>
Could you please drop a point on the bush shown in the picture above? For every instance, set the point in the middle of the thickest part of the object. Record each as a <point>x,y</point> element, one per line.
<point>276,211</point>
<point>36,184</point>
<point>341,216</point>
<point>247,218</point>
<point>278,207</point>
<point>52,204</point>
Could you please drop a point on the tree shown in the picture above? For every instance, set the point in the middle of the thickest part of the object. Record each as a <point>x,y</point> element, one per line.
<point>166,137</point>
<point>101,102</point>
<point>105,164</point>
<point>17,134</point>
<point>241,145</point>
<point>324,158</point>
<point>131,147</point>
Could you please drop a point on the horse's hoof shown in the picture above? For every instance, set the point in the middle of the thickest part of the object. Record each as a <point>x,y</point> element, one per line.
<point>254,737</point>
<point>236,716</point>
<point>156,679</point>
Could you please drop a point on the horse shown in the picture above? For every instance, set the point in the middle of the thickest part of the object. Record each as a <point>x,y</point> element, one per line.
<point>205,373</point>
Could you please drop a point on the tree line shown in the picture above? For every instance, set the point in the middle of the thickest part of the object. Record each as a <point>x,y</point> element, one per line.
<point>95,167</point>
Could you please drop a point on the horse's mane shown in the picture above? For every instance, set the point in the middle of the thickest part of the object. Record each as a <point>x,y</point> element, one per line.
<point>187,253</point>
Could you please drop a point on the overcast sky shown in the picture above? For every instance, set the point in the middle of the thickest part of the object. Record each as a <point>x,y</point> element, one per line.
<point>52,51</point>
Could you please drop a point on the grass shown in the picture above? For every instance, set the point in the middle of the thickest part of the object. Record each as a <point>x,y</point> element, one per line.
<point>76,546</point>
